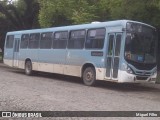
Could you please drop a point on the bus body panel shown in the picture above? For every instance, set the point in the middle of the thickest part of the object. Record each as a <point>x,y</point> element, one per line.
<point>71,61</point>
<point>46,59</point>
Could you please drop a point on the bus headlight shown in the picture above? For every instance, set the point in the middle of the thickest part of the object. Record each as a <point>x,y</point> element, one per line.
<point>129,70</point>
<point>154,72</point>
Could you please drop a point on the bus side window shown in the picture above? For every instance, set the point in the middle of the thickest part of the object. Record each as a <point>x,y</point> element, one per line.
<point>95,38</point>
<point>10,41</point>
<point>60,40</point>
<point>77,39</point>
<point>24,41</point>
<point>34,40</point>
<point>46,40</point>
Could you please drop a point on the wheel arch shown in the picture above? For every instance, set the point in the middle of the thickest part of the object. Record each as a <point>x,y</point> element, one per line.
<point>27,59</point>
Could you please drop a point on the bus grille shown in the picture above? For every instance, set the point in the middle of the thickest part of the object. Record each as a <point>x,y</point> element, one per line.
<point>141,78</point>
<point>143,73</point>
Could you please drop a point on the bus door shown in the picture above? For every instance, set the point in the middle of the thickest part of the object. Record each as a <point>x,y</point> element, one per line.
<point>113,55</point>
<point>16,51</point>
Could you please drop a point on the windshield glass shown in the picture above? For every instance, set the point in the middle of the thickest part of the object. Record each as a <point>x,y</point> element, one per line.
<point>140,45</point>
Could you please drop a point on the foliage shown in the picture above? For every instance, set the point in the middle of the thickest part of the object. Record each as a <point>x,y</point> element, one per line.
<point>64,12</point>
<point>19,15</point>
<point>140,10</point>
<point>54,12</point>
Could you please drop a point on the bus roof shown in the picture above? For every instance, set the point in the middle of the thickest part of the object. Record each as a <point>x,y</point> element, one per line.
<point>80,26</point>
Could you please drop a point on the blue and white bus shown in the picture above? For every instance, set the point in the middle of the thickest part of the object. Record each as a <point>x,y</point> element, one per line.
<point>119,51</point>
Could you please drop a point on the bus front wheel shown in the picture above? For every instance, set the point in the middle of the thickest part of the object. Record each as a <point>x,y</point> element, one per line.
<point>28,68</point>
<point>89,76</point>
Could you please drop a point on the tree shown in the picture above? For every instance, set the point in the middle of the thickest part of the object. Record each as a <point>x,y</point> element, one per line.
<point>54,13</point>
<point>20,15</point>
<point>139,10</point>
<point>83,11</point>
<point>64,12</point>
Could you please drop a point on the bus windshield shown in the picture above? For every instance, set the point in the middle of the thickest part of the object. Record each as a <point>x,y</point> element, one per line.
<point>140,45</point>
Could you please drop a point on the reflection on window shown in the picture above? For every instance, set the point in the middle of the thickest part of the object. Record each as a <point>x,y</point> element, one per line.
<point>34,40</point>
<point>118,45</point>
<point>110,46</point>
<point>140,47</point>
<point>16,46</point>
<point>95,38</point>
<point>60,40</point>
<point>77,39</point>
<point>24,41</point>
<point>10,41</point>
<point>46,40</point>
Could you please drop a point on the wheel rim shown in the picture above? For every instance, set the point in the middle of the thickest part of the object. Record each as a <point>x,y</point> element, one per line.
<point>89,76</point>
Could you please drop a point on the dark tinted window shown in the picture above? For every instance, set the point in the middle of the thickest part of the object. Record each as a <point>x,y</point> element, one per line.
<point>24,41</point>
<point>60,40</point>
<point>77,39</point>
<point>95,38</point>
<point>34,40</point>
<point>46,40</point>
<point>118,45</point>
<point>110,45</point>
<point>16,45</point>
<point>10,41</point>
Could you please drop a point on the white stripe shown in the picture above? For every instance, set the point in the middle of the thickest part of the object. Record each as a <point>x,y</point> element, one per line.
<point>72,70</point>
<point>8,62</point>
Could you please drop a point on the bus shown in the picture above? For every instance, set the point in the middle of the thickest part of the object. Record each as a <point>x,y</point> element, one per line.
<point>122,51</point>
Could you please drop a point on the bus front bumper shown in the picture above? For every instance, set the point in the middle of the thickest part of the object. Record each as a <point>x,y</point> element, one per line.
<point>125,77</point>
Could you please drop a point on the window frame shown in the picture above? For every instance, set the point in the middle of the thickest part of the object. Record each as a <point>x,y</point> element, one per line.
<point>7,46</point>
<point>52,35</point>
<point>38,41</point>
<point>53,39</point>
<point>28,41</point>
<point>85,30</point>
<point>87,37</point>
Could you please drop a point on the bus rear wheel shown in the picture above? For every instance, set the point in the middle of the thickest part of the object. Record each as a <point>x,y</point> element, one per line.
<point>28,68</point>
<point>89,76</point>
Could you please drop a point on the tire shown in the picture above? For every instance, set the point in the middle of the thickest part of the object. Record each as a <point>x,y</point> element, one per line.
<point>89,76</point>
<point>28,68</point>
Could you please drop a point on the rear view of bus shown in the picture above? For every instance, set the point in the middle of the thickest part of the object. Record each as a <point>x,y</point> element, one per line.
<point>139,63</point>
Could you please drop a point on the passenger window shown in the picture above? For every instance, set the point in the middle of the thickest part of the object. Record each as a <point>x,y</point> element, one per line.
<point>60,40</point>
<point>95,38</point>
<point>24,41</point>
<point>10,41</point>
<point>34,40</point>
<point>77,39</point>
<point>46,40</point>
